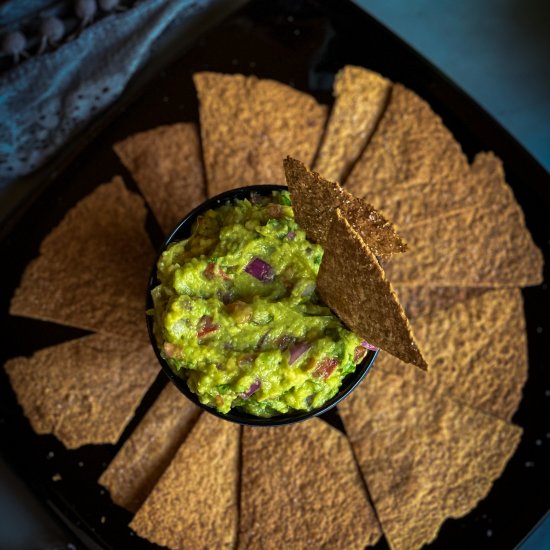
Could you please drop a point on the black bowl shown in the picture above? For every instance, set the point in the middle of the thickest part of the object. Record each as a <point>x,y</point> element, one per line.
<point>182,231</point>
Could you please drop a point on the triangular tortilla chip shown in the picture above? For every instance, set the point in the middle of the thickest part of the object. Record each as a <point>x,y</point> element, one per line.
<point>166,163</point>
<point>474,247</point>
<point>85,390</point>
<point>410,144</point>
<point>301,489</point>
<point>477,351</point>
<point>93,267</point>
<point>352,283</point>
<point>419,301</point>
<point>145,455</point>
<point>314,200</point>
<point>249,125</point>
<point>195,502</point>
<point>361,96</point>
<point>424,459</point>
<point>483,185</point>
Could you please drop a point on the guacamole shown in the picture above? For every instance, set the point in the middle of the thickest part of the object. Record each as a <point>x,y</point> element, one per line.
<point>236,313</point>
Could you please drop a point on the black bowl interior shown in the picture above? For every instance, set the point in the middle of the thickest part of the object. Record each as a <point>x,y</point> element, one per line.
<point>183,231</point>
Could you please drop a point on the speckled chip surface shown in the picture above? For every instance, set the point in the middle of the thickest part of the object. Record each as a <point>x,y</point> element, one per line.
<point>85,390</point>
<point>249,125</point>
<point>483,185</point>
<point>352,283</point>
<point>146,454</point>
<point>195,502</point>
<point>301,489</point>
<point>166,164</point>
<point>477,350</point>
<point>485,247</point>
<point>315,199</point>
<point>424,459</point>
<point>92,268</point>
<point>410,145</point>
<point>419,301</point>
<point>360,99</point>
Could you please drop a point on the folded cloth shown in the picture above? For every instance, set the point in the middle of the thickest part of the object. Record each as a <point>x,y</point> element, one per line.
<point>47,99</point>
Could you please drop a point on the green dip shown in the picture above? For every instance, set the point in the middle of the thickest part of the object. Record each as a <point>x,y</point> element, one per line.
<point>236,313</point>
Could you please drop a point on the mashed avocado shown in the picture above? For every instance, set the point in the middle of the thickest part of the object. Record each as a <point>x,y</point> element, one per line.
<point>237,316</point>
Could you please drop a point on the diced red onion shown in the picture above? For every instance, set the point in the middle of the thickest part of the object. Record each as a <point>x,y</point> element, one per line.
<point>253,388</point>
<point>358,353</point>
<point>260,270</point>
<point>291,235</point>
<point>325,368</point>
<point>206,326</point>
<point>209,271</point>
<point>285,341</point>
<point>297,351</point>
<point>365,344</point>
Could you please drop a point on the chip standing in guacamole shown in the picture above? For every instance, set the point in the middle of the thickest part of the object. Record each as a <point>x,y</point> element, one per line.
<point>236,313</point>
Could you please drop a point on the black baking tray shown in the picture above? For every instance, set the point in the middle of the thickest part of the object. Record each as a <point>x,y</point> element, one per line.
<point>301,43</point>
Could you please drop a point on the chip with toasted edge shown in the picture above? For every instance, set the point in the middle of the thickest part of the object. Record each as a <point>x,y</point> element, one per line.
<point>477,351</point>
<point>352,283</point>
<point>166,164</point>
<point>484,185</point>
<point>249,125</point>
<point>484,247</point>
<point>422,301</point>
<point>93,267</point>
<point>301,489</point>
<point>314,200</point>
<point>145,455</point>
<point>195,502</point>
<point>424,459</point>
<point>410,144</point>
<point>84,391</point>
<point>361,96</point>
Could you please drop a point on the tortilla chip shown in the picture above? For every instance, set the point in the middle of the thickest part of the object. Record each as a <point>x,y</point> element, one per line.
<point>314,200</point>
<point>477,351</point>
<point>145,455</point>
<point>166,164</point>
<point>474,247</point>
<point>361,96</point>
<point>249,125</point>
<point>301,489</point>
<point>93,267</point>
<point>352,283</point>
<point>195,502</point>
<point>420,301</point>
<point>424,459</point>
<point>484,185</point>
<point>410,144</point>
<point>83,391</point>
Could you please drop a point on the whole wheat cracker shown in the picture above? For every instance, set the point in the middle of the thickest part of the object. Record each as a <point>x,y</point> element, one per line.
<point>249,125</point>
<point>361,97</point>
<point>424,459</point>
<point>315,199</point>
<point>481,246</point>
<point>410,144</point>
<point>83,391</point>
<point>477,351</point>
<point>195,502</point>
<point>92,268</point>
<point>145,455</point>
<point>301,489</point>
<point>352,283</point>
<point>166,163</point>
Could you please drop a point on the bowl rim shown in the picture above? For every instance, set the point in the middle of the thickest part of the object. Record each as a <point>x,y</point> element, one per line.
<point>180,232</point>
